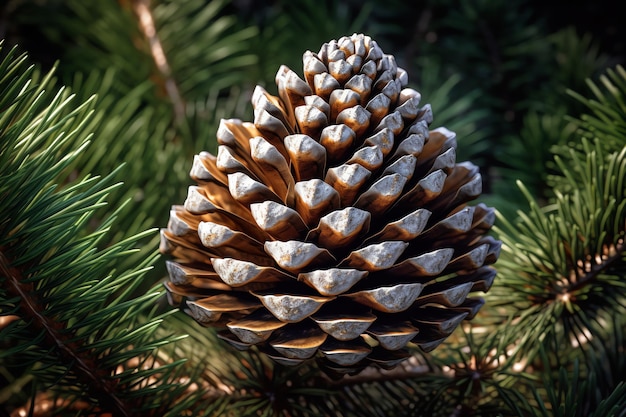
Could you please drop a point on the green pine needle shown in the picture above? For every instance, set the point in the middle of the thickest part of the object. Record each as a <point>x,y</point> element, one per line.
<point>74,322</point>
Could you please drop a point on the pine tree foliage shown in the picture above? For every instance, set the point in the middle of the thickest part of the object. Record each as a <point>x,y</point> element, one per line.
<point>564,396</point>
<point>569,255</point>
<point>546,124</point>
<point>77,299</point>
<point>608,109</point>
<point>69,326</point>
<point>142,40</point>
<point>563,265</point>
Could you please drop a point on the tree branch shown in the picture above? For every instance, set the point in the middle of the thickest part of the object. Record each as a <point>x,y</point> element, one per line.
<point>148,28</point>
<point>612,252</point>
<point>85,368</point>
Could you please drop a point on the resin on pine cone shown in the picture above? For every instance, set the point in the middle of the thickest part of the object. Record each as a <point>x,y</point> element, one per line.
<point>335,226</point>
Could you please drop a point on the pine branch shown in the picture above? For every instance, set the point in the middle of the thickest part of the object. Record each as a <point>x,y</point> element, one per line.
<point>572,391</point>
<point>85,367</point>
<point>562,264</point>
<point>606,115</point>
<point>72,315</point>
<point>148,28</point>
<point>587,273</point>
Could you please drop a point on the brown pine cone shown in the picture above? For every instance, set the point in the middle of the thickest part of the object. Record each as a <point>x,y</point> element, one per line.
<point>335,226</point>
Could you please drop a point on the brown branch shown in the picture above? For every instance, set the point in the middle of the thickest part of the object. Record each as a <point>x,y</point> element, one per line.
<point>148,28</point>
<point>85,368</point>
<point>614,253</point>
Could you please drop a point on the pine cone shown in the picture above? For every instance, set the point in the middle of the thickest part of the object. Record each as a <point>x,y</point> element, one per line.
<point>335,226</point>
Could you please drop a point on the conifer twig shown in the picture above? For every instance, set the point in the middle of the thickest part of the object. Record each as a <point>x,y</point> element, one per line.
<point>148,28</point>
<point>84,367</point>
<point>589,272</point>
